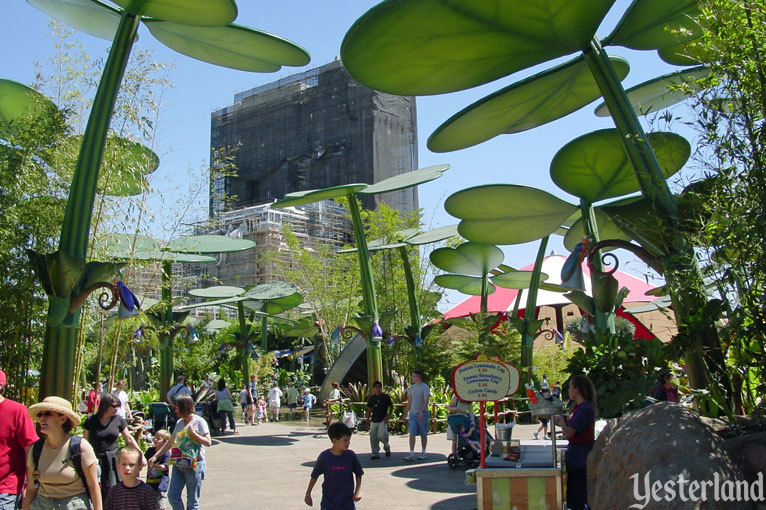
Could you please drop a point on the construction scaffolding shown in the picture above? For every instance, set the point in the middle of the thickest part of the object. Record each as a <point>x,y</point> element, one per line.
<point>313,130</point>
<point>320,223</point>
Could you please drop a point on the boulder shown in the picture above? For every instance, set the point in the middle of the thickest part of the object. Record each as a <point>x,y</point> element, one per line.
<point>660,443</point>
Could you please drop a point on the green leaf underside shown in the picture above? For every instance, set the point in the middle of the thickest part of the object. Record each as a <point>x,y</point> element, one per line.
<point>523,105</point>
<point>516,279</point>
<point>607,229</point>
<point>636,216</point>
<point>655,24</point>
<point>315,195</point>
<point>124,169</point>
<point>232,46</point>
<point>276,306</point>
<point>18,101</point>
<point>218,292</point>
<point>208,244</point>
<point>470,285</point>
<point>433,236</point>
<point>90,16</point>
<point>405,180</point>
<point>218,324</point>
<point>215,302</point>
<point>468,258</point>
<point>595,166</point>
<point>422,47</point>
<point>507,213</point>
<point>688,54</point>
<point>200,13</point>
<point>139,247</point>
<point>271,291</point>
<point>654,95</point>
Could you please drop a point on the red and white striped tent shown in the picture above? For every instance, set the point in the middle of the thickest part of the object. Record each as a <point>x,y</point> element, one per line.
<point>503,300</point>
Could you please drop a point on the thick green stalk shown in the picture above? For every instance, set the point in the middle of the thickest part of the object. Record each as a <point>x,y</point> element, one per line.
<point>604,321</point>
<point>244,338</point>
<point>484,292</point>
<point>265,333</point>
<point>528,338</point>
<point>60,342</point>
<point>412,298</point>
<point>680,265</point>
<point>82,192</point>
<point>374,355</point>
<point>166,340</point>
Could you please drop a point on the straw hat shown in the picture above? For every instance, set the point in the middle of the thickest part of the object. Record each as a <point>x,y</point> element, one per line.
<point>57,405</point>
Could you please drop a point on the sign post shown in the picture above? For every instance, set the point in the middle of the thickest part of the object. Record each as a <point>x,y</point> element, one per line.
<point>481,380</point>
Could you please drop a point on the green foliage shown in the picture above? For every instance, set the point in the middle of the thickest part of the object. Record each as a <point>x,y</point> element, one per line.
<point>727,206</point>
<point>623,370</point>
<point>552,361</point>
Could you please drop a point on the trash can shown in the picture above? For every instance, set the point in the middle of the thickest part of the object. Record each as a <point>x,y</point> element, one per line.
<point>503,433</point>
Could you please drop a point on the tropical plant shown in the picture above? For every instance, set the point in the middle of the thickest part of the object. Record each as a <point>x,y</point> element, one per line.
<point>623,370</point>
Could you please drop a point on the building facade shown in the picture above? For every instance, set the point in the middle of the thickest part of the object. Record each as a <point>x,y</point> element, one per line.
<point>312,130</point>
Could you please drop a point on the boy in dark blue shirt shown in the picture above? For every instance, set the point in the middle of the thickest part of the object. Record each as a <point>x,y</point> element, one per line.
<point>340,466</point>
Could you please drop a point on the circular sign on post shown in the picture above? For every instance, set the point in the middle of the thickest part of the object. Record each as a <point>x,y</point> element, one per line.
<point>482,379</point>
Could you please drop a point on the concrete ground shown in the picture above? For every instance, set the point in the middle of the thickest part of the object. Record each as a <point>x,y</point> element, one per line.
<point>268,466</point>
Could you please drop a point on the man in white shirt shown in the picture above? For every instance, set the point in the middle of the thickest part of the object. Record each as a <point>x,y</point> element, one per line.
<point>275,396</point>
<point>124,410</point>
<point>179,389</point>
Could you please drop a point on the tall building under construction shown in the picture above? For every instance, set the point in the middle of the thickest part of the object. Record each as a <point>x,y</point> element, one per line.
<point>312,130</point>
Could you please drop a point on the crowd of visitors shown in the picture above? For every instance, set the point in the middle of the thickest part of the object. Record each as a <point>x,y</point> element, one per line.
<point>70,472</point>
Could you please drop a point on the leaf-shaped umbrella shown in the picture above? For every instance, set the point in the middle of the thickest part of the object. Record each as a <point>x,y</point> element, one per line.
<point>239,48</point>
<point>369,299</point>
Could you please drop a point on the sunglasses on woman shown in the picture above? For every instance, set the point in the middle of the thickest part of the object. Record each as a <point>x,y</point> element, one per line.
<point>47,414</point>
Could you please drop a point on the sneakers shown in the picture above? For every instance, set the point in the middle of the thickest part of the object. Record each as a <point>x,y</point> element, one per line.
<point>409,458</point>
<point>375,457</point>
<point>547,436</point>
<point>388,450</point>
<point>422,456</point>
<point>535,434</point>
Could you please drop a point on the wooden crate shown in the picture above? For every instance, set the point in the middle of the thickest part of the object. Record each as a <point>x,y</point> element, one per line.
<point>519,489</point>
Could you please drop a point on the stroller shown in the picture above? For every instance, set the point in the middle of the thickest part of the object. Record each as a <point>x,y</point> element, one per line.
<point>468,450</point>
<point>349,418</point>
<point>159,413</point>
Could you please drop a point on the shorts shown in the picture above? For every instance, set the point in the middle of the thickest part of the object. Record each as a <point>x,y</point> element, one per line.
<point>79,502</point>
<point>274,406</point>
<point>544,421</point>
<point>292,406</point>
<point>244,405</point>
<point>307,406</point>
<point>418,427</point>
<point>10,501</point>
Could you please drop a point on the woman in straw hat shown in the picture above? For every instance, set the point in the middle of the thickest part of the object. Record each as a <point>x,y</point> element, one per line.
<point>59,486</point>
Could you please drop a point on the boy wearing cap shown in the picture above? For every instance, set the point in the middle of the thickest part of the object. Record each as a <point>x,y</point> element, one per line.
<point>17,434</point>
<point>308,403</point>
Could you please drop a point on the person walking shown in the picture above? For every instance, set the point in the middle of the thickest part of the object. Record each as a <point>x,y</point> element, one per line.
<point>308,402</point>
<point>275,398</point>
<point>253,402</point>
<point>94,398</point>
<point>122,397</point>
<point>225,406</point>
<point>292,399</point>
<point>62,469</point>
<point>190,437</point>
<point>17,435</point>
<point>579,430</point>
<point>417,411</point>
<point>102,430</point>
<point>379,407</point>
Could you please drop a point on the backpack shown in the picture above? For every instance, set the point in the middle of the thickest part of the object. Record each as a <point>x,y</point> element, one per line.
<point>74,456</point>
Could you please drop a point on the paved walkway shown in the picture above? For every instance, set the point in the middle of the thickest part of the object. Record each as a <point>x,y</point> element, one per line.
<point>268,466</point>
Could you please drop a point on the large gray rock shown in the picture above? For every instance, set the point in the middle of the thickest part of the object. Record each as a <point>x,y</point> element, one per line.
<point>664,441</point>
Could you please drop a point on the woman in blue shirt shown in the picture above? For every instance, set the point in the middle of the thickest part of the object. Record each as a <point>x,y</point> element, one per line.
<point>579,431</point>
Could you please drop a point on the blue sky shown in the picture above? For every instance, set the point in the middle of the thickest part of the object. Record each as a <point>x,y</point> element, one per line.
<point>200,88</point>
